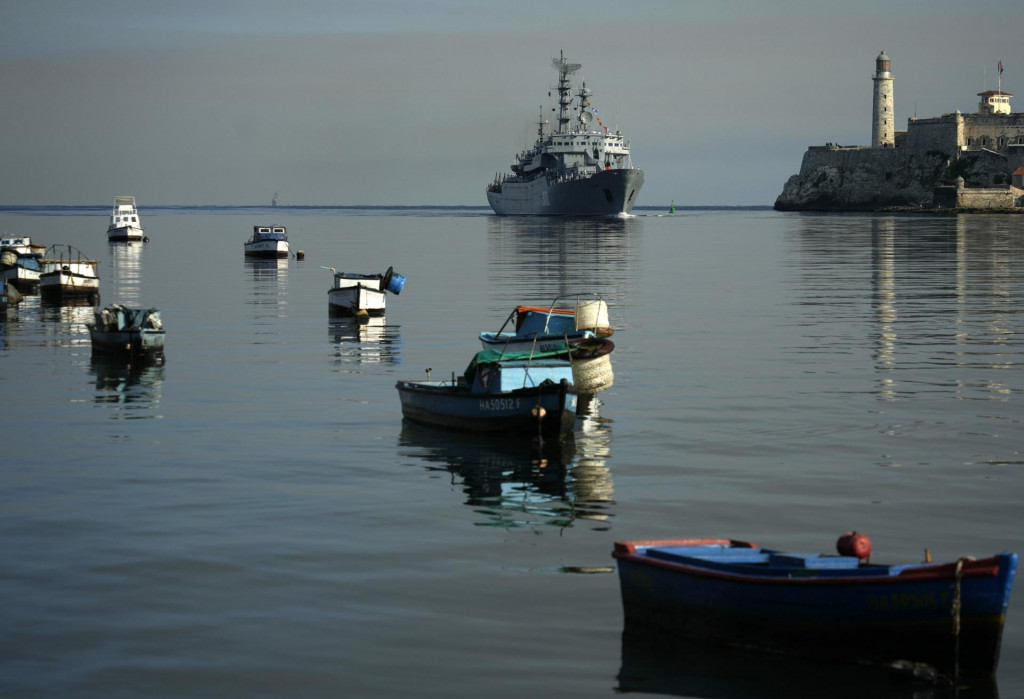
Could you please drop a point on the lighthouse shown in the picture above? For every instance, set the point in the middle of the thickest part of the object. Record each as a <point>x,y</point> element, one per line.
<point>882,116</point>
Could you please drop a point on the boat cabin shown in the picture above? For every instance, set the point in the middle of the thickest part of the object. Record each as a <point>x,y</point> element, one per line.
<point>492,371</point>
<point>269,233</point>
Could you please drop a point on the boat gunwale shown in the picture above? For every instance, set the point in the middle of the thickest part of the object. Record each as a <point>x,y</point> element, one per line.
<point>988,567</point>
<point>456,390</point>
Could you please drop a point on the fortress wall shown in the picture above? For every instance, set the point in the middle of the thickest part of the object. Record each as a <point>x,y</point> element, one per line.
<point>939,135</point>
<point>998,131</point>
<point>986,198</point>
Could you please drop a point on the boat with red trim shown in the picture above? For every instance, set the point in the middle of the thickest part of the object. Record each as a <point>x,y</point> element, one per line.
<point>948,616</point>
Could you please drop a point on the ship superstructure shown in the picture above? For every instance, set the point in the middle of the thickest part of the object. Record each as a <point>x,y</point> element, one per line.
<point>581,168</point>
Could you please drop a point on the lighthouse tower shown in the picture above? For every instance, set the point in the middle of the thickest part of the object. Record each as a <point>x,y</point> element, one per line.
<point>882,116</point>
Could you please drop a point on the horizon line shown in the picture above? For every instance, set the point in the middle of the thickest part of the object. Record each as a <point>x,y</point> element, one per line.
<point>8,207</point>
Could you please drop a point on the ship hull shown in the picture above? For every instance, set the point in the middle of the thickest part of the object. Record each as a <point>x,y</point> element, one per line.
<point>606,193</point>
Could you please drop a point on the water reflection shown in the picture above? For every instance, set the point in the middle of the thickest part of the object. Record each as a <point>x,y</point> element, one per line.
<point>126,265</point>
<point>884,282</point>
<point>563,256</point>
<point>269,296</point>
<point>660,665</point>
<point>65,326</point>
<point>946,292</point>
<point>368,341</point>
<point>516,482</point>
<point>133,391</point>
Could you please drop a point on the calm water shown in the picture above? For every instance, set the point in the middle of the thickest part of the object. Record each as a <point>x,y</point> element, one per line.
<point>253,519</point>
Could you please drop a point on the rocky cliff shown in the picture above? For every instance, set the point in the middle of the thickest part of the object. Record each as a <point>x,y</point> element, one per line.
<point>862,179</point>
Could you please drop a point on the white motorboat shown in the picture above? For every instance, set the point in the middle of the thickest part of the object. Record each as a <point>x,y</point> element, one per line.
<point>267,241</point>
<point>125,225</point>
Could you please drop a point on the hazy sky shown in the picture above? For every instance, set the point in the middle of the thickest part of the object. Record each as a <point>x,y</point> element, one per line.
<point>423,101</point>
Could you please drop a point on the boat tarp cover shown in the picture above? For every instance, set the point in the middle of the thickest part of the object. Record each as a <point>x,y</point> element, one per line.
<point>491,356</point>
<point>121,317</point>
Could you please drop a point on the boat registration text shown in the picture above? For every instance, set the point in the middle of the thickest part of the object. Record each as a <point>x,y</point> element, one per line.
<point>497,404</point>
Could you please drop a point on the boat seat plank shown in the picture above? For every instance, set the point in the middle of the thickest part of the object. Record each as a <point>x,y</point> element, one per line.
<point>813,560</point>
<point>709,554</point>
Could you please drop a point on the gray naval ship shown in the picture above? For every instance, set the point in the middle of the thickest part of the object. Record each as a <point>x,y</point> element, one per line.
<point>580,169</point>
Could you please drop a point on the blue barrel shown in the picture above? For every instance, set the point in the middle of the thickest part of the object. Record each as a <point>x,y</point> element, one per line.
<point>393,281</point>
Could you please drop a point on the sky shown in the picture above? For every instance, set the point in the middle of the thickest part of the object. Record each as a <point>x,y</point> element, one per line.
<point>422,102</point>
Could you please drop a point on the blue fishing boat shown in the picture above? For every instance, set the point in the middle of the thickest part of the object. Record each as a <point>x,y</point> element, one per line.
<point>546,328</point>
<point>498,393</point>
<point>948,616</point>
<point>581,331</point>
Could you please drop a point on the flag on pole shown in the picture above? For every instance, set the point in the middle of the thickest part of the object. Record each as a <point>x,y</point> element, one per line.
<point>1000,68</point>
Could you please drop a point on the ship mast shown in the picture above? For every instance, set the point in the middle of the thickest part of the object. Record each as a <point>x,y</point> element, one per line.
<point>565,69</point>
<point>584,116</point>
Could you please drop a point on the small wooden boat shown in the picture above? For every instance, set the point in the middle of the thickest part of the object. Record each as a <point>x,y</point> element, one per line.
<point>133,332</point>
<point>545,327</point>
<point>125,225</point>
<point>948,616</point>
<point>497,394</point>
<point>582,330</point>
<point>267,241</point>
<point>362,295</point>
<point>68,277</point>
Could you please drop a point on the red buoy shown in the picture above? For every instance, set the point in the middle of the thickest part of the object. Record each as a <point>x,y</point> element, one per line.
<point>854,544</point>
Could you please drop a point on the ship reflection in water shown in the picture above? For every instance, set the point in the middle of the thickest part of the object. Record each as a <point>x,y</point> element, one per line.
<point>519,482</point>
<point>566,256</point>
<point>366,341</point>
<point>133,390</point>
<point>656,664</point>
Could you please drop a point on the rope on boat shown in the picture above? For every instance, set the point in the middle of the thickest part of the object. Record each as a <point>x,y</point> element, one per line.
<point>957,577</point>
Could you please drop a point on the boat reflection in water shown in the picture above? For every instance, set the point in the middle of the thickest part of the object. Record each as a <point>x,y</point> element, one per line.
<point>521,482</point>
<point>65,325</point>
<point>269,294</point>
<point>365,341</point>
<point>126,265</point>
<point>657,665</point>
<point>134,389</point>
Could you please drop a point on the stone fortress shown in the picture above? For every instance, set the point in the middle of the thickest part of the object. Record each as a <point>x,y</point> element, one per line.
<point>955,161</point>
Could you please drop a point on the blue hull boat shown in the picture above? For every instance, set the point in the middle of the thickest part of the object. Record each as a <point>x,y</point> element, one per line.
<point>546,328</point>
<point>499,393</point>
<point>947,616</point>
